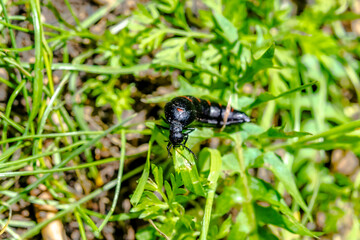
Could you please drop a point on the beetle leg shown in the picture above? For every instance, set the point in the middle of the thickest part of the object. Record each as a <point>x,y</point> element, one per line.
<point>189,151</point>
<point>169,149</point>
<point>186,136</point>
<point>186,133</point>
<point>189,130</point>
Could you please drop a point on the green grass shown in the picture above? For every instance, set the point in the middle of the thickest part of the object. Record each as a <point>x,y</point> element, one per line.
<point>67,107</point>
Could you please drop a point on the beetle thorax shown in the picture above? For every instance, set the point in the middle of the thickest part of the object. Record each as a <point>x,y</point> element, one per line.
<point>176,136</point>
<point>180,110</point>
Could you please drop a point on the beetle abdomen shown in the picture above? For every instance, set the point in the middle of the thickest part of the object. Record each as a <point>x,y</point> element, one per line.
<point>186,109</point>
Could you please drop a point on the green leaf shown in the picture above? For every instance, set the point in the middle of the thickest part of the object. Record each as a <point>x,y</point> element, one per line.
<point>152,40</point>
<point>241,229</point>
<point>224,228</point>
<point>149,205</point>
<point>230,163</point>
<point>167,6</point>
<point>200,134</point>
<point>134,200</point>
<point>265,234</point>
<point>169,191</point>
<point>229,197</point>
<point>158,175</point>
<point>229,32</point>
<point>185,166</point>
<point>252,129</point>
<point>265,51</point>
<point>252,158</point>
<point>172,50</point>
<point>147,233</point>
<point>262,191</point>
<point>341,142</point>
<point>274,164</point>
<point>278,132</point>
<point>268,215</point>
<point>265,97</point>
<point>214,5</point>
<point>264,61</point>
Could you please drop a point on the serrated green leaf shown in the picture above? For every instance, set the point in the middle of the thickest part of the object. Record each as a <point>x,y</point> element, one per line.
<point>152,40</point>
<point>151,185</point>
<point>158,175</point>
<point>150,210</point>
<point>278,132</point>
<point>172,50</point>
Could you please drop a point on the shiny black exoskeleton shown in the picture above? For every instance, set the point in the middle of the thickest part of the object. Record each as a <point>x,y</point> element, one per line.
<point>182,111</point>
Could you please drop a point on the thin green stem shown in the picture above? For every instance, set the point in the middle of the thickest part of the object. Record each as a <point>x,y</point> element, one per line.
<point>8,111</point>
<point>23,49</point>
<point>37,143</point>
<point>72,12</point>
<point>7,82</point>
<point>39,64</point>
<point>7,21</point>
<point>119,179</point>
<point>191,34</point>
<point>11,26</point>
<point>47,153</point>
<point>46,171</point>
<point>51,135</point>
<point>100,69</point>
<point>215,169</point>
<point>81,225</point>
<point>17,64</point>
<point>11,123</point>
